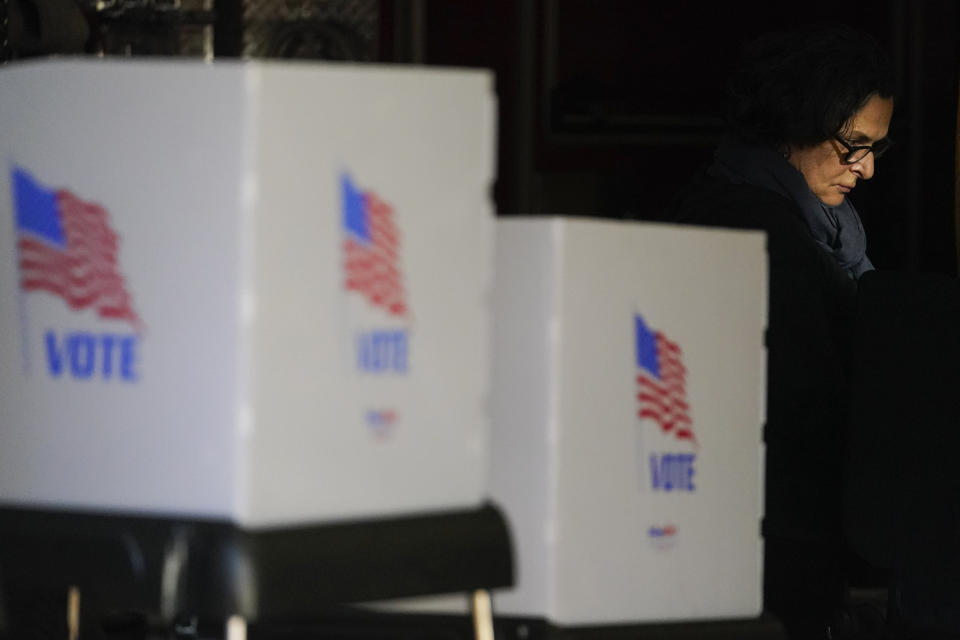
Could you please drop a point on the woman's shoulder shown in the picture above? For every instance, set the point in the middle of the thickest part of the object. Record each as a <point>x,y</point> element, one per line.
<point>715,201</point>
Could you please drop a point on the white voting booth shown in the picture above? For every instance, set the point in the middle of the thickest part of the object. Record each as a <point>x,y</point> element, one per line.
<point>256,292</point>
<point>245,335</point>
<point>628,407</point>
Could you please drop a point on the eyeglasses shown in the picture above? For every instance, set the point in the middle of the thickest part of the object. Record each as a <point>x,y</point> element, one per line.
<point>858,153</point>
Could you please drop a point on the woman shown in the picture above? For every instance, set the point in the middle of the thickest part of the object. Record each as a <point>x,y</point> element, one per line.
<point>809,115</point>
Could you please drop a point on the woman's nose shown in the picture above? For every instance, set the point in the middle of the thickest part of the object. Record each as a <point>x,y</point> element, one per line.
<point>864,167</point>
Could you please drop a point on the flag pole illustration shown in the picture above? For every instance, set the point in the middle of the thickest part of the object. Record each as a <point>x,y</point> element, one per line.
<point>24,331</point>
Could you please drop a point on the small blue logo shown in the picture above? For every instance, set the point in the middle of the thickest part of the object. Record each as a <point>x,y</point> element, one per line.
<point>381,421</point>
<point>662,537</point>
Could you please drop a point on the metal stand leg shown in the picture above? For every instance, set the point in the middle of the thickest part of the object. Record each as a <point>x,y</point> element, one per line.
<point>236,628</point>
<point>482,615</point>
<point>73,613</point>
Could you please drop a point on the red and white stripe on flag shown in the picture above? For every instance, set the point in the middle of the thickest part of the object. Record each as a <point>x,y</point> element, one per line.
<point>664,400</point>
<point>84,272</point>
<point>372,268</point>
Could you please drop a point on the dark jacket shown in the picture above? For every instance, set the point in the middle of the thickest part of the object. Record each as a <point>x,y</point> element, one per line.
<point>810,327</point>
<point>809,332</point>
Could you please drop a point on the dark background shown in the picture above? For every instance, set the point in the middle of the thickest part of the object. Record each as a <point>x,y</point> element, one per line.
<point>607,107</point>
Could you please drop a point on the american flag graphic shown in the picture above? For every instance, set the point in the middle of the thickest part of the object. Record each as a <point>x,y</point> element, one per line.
<point>662,382</point>
<point>67,248</point>
<point>371,249</point>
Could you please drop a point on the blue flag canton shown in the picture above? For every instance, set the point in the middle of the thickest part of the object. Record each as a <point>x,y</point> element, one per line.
<point>647,357</point>
<point>356,215</point>
<point>37,211</point>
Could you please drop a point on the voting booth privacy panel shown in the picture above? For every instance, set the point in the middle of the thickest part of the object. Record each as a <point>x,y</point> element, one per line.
<point>629,384</point>
<point>246,291</point>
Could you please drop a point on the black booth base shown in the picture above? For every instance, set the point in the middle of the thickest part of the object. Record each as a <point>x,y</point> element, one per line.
<point>344,625</point>
<point>762,628</point>
<point>149,572</point>
<point>148,578</point>
<point>432,627</point>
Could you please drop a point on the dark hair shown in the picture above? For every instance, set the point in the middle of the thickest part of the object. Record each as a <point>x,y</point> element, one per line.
<point>802,87</point>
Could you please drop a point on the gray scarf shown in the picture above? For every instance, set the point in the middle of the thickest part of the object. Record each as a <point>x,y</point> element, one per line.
<point>837,230</point>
